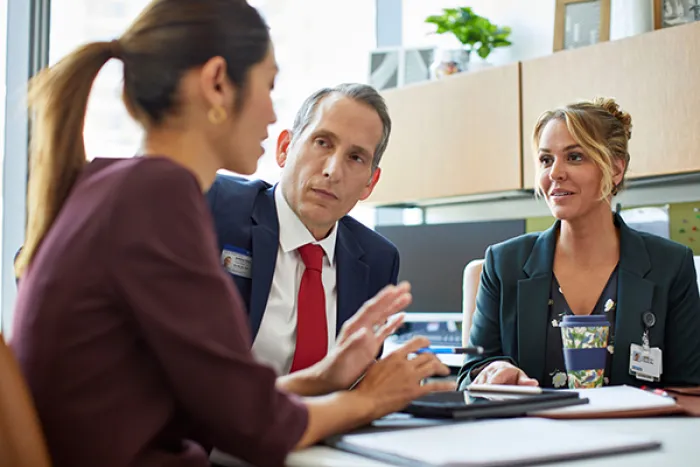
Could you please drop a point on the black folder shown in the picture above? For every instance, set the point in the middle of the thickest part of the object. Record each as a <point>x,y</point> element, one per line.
<point>465,405</point>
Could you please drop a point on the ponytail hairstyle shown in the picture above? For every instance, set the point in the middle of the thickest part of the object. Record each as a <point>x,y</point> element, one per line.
<point>169,38</point>
<point>58,99</point>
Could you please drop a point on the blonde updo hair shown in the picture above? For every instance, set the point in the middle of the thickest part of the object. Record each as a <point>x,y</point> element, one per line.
<point>603,131</point>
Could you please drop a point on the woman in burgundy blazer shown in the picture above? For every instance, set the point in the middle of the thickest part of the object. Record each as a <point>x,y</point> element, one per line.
<point>132,339</point>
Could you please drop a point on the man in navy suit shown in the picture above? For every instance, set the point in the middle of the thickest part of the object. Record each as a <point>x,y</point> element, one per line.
<point>329,162</point>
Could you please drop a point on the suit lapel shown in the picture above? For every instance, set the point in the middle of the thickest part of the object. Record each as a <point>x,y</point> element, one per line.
<point>533,298</point>
<point>265,240</point>
<point>634,296</point>
<point>352,275</point>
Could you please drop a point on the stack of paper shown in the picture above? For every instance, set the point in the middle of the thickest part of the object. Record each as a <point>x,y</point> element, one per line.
<point>614,402</point>
<point>521,441</point>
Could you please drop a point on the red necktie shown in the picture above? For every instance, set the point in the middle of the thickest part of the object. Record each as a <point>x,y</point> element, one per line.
<point>312,328</point>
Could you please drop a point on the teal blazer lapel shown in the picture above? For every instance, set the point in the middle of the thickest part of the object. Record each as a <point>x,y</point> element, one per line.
<point>634,297</point>
<point>533,299</point>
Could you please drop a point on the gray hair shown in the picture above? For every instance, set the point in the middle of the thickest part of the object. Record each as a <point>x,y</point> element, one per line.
<point>358,92</point>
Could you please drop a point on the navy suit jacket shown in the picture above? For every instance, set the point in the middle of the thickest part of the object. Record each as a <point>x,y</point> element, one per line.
<point>655,275</point>
<point>245,216</point>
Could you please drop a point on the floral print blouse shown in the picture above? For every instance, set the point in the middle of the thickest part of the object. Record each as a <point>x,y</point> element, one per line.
<point>555,374</point>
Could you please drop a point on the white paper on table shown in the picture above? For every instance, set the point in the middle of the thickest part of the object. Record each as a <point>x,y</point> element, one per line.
<point>498,442</point>
<point>613,399</point>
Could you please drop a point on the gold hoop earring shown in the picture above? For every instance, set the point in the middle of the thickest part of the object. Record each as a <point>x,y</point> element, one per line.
<point>217,115</point>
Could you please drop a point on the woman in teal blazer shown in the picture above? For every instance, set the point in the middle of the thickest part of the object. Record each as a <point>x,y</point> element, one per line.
<point>588,262</point>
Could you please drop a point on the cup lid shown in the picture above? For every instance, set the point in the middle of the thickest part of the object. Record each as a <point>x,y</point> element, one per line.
<point>585,320</point>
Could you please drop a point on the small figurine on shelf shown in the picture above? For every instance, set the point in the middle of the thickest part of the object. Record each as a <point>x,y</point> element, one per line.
<point>446,64</point>
<point>475,33</point>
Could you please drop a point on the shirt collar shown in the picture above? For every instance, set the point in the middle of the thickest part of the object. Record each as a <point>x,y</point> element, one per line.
<point>293,233</point>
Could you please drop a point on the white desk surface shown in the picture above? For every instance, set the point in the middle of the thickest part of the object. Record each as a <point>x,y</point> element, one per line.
<point>680,437</point>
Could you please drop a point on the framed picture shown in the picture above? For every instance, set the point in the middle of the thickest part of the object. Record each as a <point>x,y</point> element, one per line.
<point>579,23</point>
<point>669,13</point>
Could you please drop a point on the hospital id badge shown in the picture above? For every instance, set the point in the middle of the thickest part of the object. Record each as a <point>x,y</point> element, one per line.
<point>237,261</point>
<point>646,364</point>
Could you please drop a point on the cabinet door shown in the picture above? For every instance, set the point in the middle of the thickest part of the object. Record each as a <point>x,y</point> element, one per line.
<point>456,136</point>
<point>653,76</point>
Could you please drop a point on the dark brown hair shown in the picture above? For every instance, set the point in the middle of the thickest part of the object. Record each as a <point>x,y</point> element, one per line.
<point>168,38</point>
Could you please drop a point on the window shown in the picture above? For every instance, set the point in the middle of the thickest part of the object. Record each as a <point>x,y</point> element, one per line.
<point>306,63</point>
<point>109,130</point>
<point>322,44</point>
<point>313,48</point>
<point>107,8</point>
<point>3,63</point>
<point>15,32</point>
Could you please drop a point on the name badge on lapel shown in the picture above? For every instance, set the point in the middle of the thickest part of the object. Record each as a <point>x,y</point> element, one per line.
<point>645,361</point>
<point>646,364</point>
<point>237,261</point>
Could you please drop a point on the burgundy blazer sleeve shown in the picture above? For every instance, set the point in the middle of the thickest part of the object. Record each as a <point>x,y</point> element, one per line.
<point>193,320</point>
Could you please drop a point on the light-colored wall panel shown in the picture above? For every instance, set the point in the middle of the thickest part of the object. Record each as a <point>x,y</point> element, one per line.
<point>653,76</point>
<point>456,136</point>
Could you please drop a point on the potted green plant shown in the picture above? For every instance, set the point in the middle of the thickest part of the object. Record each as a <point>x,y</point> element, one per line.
<point>474,32</point>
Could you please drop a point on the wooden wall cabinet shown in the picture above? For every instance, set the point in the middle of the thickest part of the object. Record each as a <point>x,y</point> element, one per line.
<point>472,133</point>
<point>653,76</point>
<point>457,136</point>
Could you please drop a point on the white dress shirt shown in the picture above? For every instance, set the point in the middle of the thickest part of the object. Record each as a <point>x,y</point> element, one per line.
<point>276,339</point>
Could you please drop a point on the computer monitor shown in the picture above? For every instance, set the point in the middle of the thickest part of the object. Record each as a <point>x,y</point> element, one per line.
<point>433,257</point>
